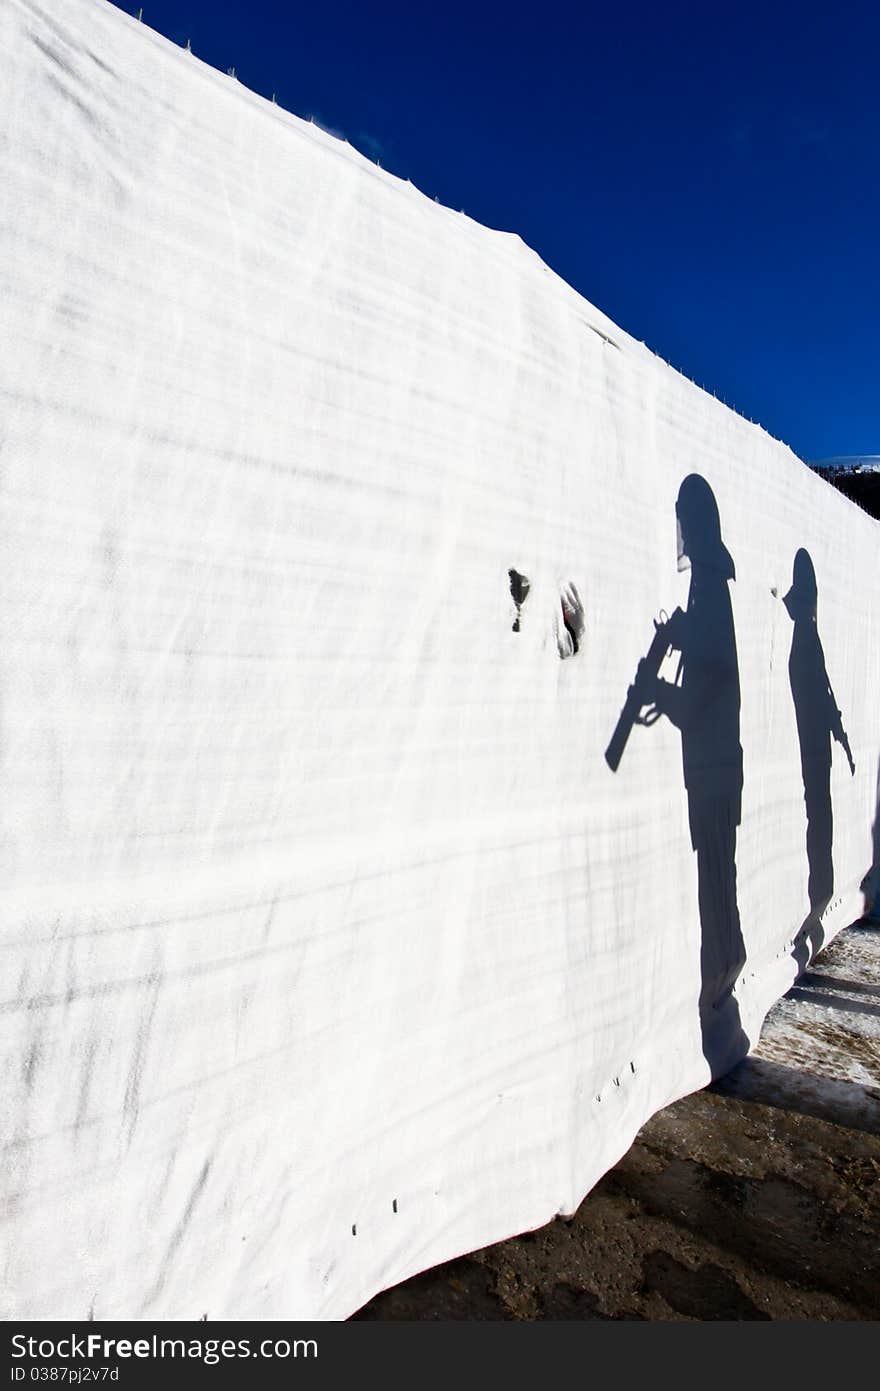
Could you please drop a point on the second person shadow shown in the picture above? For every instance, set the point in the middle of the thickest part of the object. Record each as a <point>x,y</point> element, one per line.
<point>818,722</point>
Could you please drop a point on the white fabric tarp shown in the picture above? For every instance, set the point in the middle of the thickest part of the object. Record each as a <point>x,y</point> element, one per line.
<point>332,946</point>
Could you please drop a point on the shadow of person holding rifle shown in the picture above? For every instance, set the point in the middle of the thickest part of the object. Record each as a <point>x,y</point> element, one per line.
<point>704,704</point>
<point>818,722</point>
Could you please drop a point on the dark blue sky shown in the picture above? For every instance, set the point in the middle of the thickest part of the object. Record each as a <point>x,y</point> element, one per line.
<point>705,173</point>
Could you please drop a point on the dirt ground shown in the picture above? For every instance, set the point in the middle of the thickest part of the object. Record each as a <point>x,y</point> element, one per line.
<point>758,1198</point>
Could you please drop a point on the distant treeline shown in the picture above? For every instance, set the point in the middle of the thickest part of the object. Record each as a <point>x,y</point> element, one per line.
<point>862,486</point>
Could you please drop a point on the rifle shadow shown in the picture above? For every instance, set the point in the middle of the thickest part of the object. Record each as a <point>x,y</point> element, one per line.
<point>705,707</point>
<point>815,714</point>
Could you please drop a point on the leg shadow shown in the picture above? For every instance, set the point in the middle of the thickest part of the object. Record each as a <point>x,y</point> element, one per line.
<point>870,885</point>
